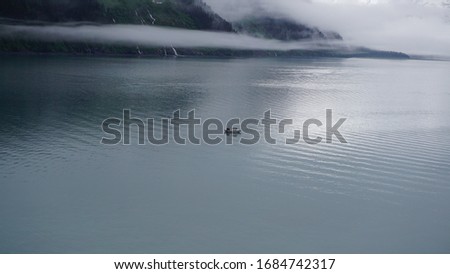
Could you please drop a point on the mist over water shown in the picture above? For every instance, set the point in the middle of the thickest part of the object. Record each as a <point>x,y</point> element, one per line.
<point>159,36</point>
<point>386,191</point>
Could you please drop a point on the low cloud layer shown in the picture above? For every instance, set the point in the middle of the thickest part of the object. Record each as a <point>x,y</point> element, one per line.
<point>135,35</point>
<point>411,26</point>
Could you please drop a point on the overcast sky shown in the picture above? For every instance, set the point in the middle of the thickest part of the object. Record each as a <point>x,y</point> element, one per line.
<point>411,26</point>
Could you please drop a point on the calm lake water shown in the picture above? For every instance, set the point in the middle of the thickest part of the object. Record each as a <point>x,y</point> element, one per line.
<point>386,191</point>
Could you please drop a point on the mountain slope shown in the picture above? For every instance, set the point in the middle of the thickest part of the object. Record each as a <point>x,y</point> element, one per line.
<point>187,14</point>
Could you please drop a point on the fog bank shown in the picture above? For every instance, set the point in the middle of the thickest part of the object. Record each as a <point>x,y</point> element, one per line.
<point>136,35</point>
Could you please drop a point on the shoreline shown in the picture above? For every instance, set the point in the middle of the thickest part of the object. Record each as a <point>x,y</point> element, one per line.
<point>235,54</point>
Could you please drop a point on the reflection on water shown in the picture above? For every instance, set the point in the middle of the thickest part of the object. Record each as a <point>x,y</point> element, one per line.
<point>387,190</point>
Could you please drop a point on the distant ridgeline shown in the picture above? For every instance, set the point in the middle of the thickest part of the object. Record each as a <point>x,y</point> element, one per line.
<point>186,14</point>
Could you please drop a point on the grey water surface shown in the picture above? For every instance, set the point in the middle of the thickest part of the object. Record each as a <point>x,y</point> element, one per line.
<point>386,191</point>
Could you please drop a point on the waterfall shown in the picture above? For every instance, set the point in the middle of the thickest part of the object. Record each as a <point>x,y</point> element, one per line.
<point>175,53</point>
<point>139,17</point>
<point>151,17</point>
